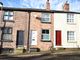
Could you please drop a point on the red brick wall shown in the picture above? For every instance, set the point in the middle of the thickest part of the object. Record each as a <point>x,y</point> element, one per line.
<point>20,22</point>
<point>38,26</point>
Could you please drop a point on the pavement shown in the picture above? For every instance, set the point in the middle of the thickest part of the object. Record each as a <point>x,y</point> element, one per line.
<point>62,52</point>
<point>44,53</point>
<point>58,55</point>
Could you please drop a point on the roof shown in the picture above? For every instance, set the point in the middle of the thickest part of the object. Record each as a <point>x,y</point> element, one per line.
<point>36,10</point>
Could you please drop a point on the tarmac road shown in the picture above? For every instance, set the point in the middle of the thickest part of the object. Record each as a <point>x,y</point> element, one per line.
<point>43,57</point>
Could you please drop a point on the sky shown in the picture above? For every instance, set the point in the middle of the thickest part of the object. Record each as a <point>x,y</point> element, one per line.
<point>40,4</point>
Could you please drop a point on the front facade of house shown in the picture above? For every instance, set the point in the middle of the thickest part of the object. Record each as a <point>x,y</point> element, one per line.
<point>66,30</point>
<point>26,28</point>
<point>14,23</point>
<point>15,33</point>
<point>36,28</point>
<point>41,30</point>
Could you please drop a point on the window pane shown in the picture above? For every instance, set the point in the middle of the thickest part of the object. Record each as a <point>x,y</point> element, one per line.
<point>70,35</point>
<point>7,30</point>
<point>10,17</point>
<point>45,37</point>
<point>10,30</point>
<point>11,13</point>
<point>7,36</point>
<point>47,31</point>
<point>45,17</point>
<point>7,33</point>
<point>70,17</point>
<point>6,13</point>
<point>5,17</point>
<point>43,31</point>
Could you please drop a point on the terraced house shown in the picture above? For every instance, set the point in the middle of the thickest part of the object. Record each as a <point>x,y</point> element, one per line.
<point>41,29</point>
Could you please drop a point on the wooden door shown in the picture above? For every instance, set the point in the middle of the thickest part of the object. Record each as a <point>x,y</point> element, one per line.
<point>20,38</point>
<point>58,38</point>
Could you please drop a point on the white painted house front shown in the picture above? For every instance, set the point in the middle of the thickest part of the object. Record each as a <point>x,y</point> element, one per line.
<point>66,30</point>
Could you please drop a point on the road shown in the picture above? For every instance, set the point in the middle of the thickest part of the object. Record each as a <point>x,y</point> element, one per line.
<point>44,57</point>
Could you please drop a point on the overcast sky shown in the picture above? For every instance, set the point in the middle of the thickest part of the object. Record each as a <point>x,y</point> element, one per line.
<point>40,4</point>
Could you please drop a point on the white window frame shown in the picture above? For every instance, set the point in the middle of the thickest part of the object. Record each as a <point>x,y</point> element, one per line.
<point>8,15</point>
<point>70,18</point>
<point>45,34</point>
<point>45,17</point>
<point>71,36</point>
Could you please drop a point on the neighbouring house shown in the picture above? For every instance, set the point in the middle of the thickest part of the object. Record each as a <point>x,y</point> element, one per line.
<point>66,28</point>
<point>25,28</point>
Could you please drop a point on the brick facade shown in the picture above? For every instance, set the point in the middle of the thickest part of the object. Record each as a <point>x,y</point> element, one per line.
<point>21,22</point>
<point>38,26</point>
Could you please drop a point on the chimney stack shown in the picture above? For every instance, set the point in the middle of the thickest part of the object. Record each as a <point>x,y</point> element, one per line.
<point>66,6</point>
<point>47,5</point>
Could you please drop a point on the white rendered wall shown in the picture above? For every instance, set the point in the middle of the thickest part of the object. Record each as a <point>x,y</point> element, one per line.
<point>60,23</point>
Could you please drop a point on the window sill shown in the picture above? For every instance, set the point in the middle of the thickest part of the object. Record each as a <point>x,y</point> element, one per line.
<point>71,41</point>
<point>6,41</point>
<point>8,21</point>
<point>46,40</point>
<point>46,22</point>
<point>71,23</point>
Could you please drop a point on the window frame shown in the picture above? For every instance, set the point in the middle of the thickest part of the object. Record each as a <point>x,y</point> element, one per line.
<point>71,37</point>
<point>44,17</point>
<point>70,18</point>
<point>7,33</point>
<point>45,40</point>
<point>8,15</point>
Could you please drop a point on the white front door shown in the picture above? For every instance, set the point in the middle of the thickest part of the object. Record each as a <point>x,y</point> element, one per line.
<point>33,37</point>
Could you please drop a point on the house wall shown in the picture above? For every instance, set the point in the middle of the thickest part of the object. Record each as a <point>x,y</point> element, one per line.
<point>21,21</point>
<point>60,23</point>
<point>37,25</point>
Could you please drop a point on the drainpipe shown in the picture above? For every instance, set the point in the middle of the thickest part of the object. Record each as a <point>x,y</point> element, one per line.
<point>28,40</point>
<point>1,47</point>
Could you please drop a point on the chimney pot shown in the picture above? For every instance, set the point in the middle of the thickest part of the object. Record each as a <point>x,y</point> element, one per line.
<point>47,5</point>
<point>66,6</point>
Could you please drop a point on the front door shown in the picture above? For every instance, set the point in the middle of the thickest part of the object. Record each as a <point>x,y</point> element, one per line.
<point>33,37</point>
<point>58,38</point>
<point>20,38</point>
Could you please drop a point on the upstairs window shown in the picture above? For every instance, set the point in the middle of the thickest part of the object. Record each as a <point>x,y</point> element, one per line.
<point>45,35</point>
<point>70,18</point>
<point>8,15</point>
<point>45,17</point>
